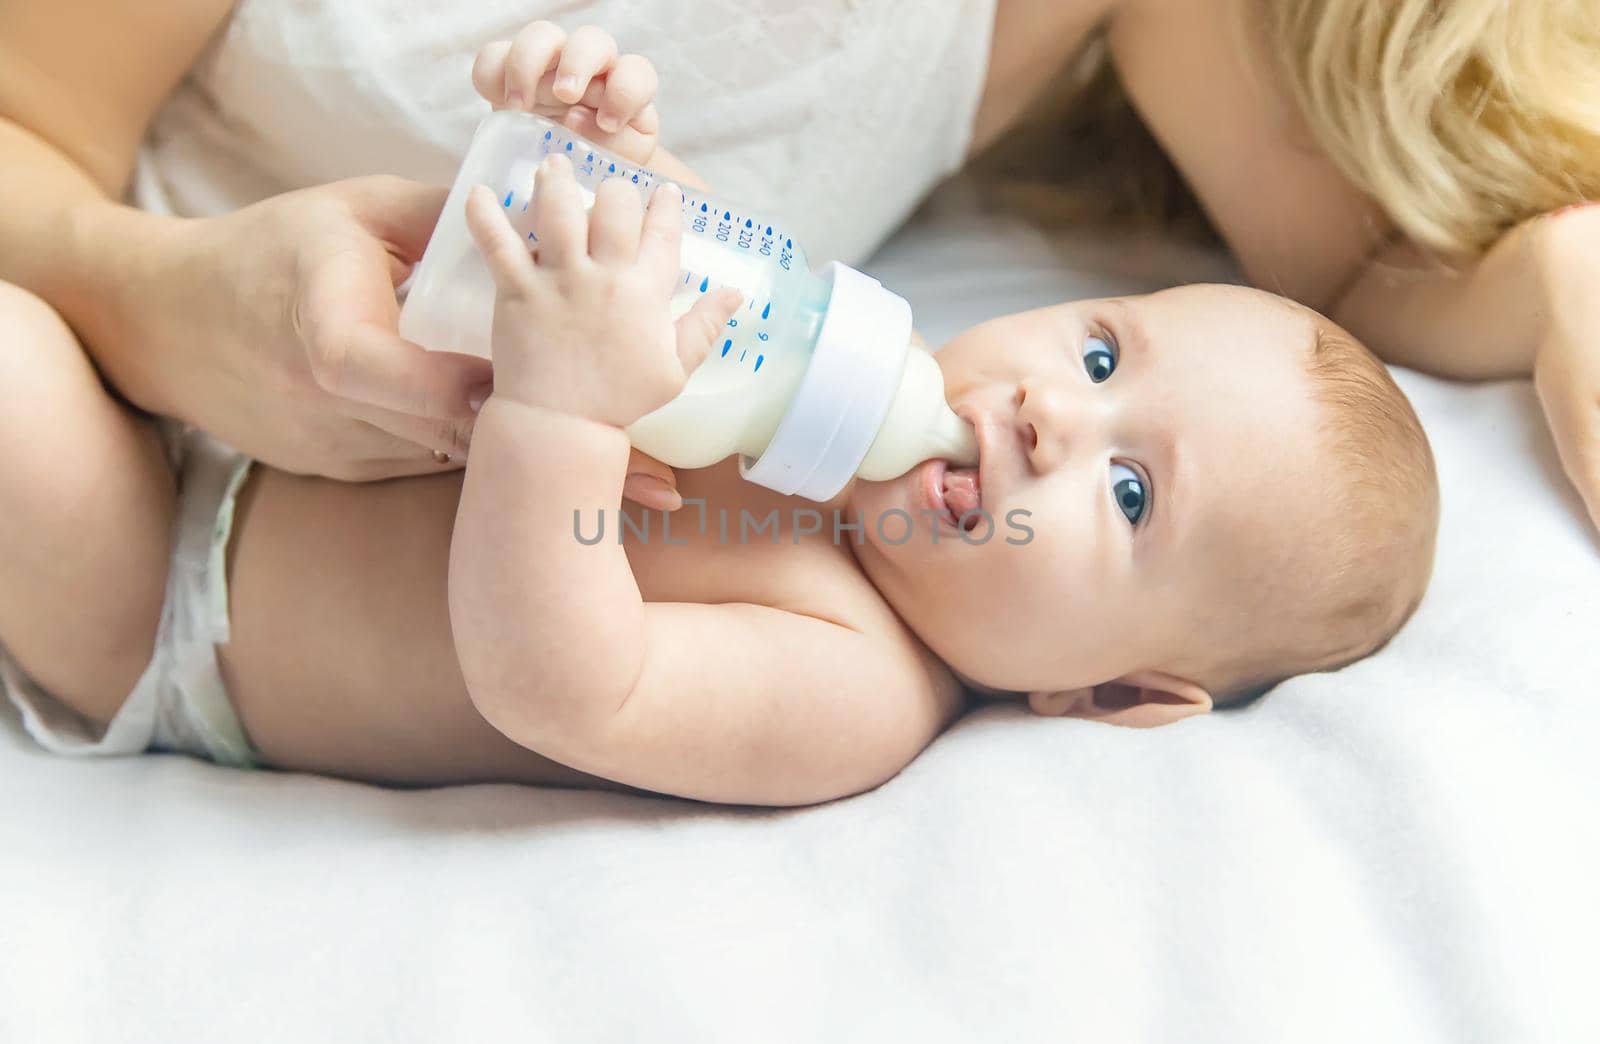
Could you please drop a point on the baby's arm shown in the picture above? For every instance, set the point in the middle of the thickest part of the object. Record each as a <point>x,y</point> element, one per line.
<point>734,702</point>
<point>580,80</point>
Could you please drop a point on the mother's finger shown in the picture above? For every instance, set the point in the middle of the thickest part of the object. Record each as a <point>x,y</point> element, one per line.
<point>379,368</point>
<point>411,441</point>
<point>400,212</point>
<point>651,483</point>
<point>1573,412</point>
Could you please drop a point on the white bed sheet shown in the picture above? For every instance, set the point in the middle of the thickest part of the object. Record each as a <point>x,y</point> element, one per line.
<point>1405,850</point>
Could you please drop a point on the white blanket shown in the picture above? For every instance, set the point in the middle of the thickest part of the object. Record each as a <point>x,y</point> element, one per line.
<point>1403,851</point>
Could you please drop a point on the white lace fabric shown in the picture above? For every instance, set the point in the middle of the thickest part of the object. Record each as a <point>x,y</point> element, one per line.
<point>836,116</point>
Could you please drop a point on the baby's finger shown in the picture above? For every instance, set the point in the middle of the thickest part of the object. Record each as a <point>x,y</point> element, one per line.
<point>502,248</point>
<point>646,121</point>
<point>630,86</point>
<point>489,72</point>
<point>533,51</point>
<point>627,143</point>
<point>701,326</point>
<point>589,52</point>
<point>614,223</point>
<point>559,223</point>
<point>661,238</point>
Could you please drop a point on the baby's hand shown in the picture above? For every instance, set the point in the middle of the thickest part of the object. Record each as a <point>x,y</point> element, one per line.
<point>577,80</point>
<point>585,327</point>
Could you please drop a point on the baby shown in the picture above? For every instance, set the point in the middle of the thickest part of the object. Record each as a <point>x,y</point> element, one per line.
<point>1181,498</point>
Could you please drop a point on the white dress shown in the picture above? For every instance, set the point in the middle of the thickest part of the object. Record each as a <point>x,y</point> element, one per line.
<point>836,116</point>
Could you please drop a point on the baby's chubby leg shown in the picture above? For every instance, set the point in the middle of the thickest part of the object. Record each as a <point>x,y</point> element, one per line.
<point>86,509</point>
<point>341,659</point>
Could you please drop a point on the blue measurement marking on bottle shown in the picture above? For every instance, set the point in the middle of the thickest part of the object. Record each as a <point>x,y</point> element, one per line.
<point>507,203</point>
<point>767,310</point>
<point>725,346</point>
<point>705,283</point>
<point>742,355</point>
<point>758,363</point>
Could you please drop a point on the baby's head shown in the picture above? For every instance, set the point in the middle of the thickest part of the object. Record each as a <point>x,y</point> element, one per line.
<point>1185,497</point>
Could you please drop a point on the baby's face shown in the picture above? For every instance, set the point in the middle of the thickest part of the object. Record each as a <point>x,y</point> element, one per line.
<point>1161,453</point>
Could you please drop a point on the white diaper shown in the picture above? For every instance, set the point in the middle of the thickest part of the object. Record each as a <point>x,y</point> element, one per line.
<point>179,703</point>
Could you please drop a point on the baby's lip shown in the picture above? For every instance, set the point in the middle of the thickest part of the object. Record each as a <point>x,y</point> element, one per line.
<point>982,434</point>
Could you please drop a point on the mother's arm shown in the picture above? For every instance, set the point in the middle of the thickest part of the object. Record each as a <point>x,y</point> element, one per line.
<point>1198,72</point>
<point>274,326</point>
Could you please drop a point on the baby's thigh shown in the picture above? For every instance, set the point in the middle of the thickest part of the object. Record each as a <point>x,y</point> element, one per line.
<point>86,509</point>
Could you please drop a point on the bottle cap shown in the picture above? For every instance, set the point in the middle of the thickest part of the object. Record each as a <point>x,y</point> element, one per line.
<point>844,394</point>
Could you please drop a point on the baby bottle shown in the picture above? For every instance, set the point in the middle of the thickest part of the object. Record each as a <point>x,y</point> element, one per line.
<point>813,381</point>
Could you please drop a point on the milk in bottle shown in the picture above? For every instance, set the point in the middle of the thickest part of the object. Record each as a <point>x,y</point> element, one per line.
<point>813,381</point>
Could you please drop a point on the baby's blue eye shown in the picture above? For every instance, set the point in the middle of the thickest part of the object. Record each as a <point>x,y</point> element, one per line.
<point>1127,488</point>
<point>1099,358</point>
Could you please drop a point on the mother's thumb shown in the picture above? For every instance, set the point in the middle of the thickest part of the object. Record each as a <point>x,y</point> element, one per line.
<point>397,210</point>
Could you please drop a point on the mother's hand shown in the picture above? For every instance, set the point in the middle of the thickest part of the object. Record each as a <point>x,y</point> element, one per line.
<point>274,328</point>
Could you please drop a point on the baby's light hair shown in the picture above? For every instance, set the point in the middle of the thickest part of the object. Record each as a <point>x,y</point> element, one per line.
<point>1373,549</point>
<point>1461,118</point>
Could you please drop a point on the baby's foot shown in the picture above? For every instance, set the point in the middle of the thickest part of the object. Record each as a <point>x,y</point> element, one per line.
<point>578,80</point>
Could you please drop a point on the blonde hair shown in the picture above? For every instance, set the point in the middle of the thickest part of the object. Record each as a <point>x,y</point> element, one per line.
<point>1375,544</point>
<point>1081,155</point>
<point>1459,118</point>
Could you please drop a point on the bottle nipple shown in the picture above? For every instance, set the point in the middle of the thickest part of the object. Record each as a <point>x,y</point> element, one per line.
<point>920,425</point>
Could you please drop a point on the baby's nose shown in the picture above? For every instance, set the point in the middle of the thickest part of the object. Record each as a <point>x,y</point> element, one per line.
<point>1049,421</point>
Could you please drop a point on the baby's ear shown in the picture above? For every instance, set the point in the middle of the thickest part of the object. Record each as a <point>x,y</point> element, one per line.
<point>1143,699</point>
